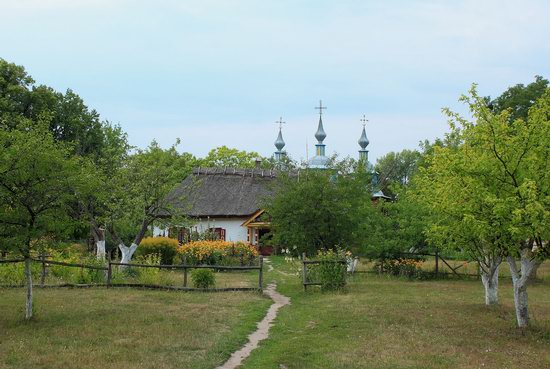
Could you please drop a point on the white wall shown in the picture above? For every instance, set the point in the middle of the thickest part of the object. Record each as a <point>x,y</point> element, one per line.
<point>233,230</point>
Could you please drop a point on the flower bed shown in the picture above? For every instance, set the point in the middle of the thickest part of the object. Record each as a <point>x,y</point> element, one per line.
<point>217,252</point>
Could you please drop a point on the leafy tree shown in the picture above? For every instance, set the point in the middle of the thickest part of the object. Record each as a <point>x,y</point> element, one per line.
<point>490,196</point>
<point>69,118</point>
<point>317,209</point>
<point>396,169</point>
<point>224,156</point>
<point>37,181</point>
<point>518,99</point>
<point>140,194</point>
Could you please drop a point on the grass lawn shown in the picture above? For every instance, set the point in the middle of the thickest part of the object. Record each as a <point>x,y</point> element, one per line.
<point>125,328</point>
<point>382,322</point>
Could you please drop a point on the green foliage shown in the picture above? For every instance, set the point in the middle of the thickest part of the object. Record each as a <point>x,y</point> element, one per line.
<point>318,209</point>
<point>141,192</point>
<point>224,156</point>
<point>154,276</point>
<point>38,179</point>
<point>203,278</point>
<point>330,273</point>
<point>396,169</point>
<point>13,274</point>
<point>491,192</point>
<point>518,99</point>
<point>399,267</point>
<point>165,247</point>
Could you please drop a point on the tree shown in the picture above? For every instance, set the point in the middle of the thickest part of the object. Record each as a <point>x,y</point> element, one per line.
<point>140,194</point>
<point>396,169</point>
<point>518,99</point>
<point>69,119</point>
<point>224,156</point>
<point>318,209</point>
<point>38,179</point>
<point>491,194</point>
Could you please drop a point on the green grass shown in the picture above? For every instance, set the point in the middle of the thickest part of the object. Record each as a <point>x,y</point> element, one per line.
<point>377,322</point>
<point>382,322</point>
<point>125,328</point>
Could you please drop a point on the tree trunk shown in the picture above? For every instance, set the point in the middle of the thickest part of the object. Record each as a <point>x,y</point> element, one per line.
<point>127,252</point>
<point>491,287</point>
<point>520,300</point>
<point>520,279</point>
<point>28,275</point>
<point>489,278</point>
<point>100,245</point>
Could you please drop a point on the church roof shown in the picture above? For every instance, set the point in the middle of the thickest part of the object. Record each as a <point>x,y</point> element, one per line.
<point>318,162</point>
<point>279,142</point>
<point>320,135</point>
<point>363,140</point>
<point>222,192</point>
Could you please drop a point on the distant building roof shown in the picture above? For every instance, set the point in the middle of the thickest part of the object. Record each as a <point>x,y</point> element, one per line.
<point>222,192</point>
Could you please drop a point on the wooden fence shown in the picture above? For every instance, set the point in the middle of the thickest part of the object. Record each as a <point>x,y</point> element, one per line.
<point>45,263</point>
<point>306,262</point>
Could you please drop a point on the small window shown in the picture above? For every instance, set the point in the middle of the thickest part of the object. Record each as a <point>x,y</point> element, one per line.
<point>219,232</point>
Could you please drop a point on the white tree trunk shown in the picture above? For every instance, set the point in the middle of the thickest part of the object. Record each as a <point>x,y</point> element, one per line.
<point>491,287</point>
<point>127,252</point>
<point>520,300</point>
<point>28,275</point>
<point>520,278</point>
<point>489,278</point>
<point>100,245</point>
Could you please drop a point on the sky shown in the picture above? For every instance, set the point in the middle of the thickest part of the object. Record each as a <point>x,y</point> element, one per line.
<point>214,72</point>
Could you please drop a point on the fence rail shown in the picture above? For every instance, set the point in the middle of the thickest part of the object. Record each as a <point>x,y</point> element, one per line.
<point>305,263</point>
<point>109,274</point>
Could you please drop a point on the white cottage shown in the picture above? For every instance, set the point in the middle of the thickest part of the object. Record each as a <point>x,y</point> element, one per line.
<point>226,201</point>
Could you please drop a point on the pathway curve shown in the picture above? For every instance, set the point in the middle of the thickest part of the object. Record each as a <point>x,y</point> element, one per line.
<point>261,332</point>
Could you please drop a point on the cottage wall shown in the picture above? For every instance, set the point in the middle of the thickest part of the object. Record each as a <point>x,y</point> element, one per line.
<point>233,229</point>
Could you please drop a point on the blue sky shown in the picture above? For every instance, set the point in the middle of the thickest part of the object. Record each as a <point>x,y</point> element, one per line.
<point>222,72</point>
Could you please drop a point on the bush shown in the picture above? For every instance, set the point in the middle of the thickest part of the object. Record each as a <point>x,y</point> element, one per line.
<point>13,274</point>
<point>400,267</point>
<point>154,276</point>
<point>203,278</point>
<point>166,247</point>
<point>216,252</point>
<point>330,273</point>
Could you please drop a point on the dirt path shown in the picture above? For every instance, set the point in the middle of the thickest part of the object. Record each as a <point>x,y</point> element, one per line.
<point>263,328</point>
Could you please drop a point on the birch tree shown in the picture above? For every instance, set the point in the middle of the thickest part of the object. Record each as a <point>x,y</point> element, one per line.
<point>38,178</point>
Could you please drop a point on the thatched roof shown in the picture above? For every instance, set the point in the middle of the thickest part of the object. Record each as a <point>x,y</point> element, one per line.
<point>222,192</point>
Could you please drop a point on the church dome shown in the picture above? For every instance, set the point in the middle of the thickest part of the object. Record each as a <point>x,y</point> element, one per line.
<point>363,140</point>
<point>279,142</point>
<point>320,135</point>
<point>318,162</point>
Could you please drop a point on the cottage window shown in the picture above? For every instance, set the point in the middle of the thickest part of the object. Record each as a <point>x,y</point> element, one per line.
<point>219,232</point>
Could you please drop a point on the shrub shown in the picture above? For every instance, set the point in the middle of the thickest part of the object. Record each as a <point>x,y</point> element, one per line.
<point>401,267</point>
<point>13,274</point>
<point>153,276</point>
<point>329,272</point>
<point>216,252</point>
<point>203,278</point>
<point>166,247</point>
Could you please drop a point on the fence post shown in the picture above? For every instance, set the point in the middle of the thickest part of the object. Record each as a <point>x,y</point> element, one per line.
<point>437,263</point>
<point>109,272</point>
<point>43,274</point>
<point>261,277</point>
<point>304,271</point>
<point>185,271</point>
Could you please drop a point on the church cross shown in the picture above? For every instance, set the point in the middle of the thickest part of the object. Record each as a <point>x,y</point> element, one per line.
<point>364,120</point>
<point>280,123</point>
<point>320,107</point>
